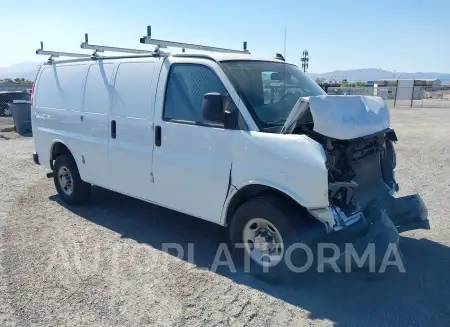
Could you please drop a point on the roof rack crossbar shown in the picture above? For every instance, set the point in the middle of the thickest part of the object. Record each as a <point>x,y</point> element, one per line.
<point>61,54</point>
<point>53,54</point>
<point>163,43</point>
<point>103,48</point>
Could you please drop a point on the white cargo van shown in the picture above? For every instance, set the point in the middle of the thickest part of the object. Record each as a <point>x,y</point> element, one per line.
<point>249,143</point>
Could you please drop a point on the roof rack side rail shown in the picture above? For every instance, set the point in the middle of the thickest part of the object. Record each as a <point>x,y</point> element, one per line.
<point>103,48</point>
<point>163,43</point>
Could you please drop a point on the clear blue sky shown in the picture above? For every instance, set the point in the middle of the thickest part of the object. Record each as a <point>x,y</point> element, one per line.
<point>402,35</point>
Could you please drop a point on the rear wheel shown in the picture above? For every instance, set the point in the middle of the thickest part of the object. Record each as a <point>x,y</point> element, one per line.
<point>69,185</point>
<point>261,232</point>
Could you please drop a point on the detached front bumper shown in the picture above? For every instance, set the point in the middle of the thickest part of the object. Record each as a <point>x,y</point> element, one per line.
<point>379,228</point>
<point>408,213</point>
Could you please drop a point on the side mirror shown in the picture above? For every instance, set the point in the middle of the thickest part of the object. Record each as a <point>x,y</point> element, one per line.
<point>213,107</point>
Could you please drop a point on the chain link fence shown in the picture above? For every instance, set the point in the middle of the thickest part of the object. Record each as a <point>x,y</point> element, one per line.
<point>7,98</point>
<point>404,94</point>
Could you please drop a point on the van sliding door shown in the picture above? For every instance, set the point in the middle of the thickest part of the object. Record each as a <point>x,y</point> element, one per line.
<point>131,137</point>
<point>95,122</point>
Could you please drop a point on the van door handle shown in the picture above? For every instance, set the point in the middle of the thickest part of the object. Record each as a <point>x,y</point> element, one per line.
<point>113,129</point>
<point>158,135</point>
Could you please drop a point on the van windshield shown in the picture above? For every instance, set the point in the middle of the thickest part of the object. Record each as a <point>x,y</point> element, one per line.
<point>269,89</point>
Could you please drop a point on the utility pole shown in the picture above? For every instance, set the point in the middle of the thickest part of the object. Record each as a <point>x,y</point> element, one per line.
<point>305,60</point>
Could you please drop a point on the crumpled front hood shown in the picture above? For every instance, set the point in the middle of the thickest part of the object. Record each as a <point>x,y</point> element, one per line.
<point>342,117</point>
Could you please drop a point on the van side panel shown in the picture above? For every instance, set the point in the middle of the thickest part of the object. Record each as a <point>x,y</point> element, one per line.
<point>57,109</point>
<point>96,103</point>
<point>60,87</point>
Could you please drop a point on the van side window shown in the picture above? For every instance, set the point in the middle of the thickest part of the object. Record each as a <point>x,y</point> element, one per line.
<point>186,86</point>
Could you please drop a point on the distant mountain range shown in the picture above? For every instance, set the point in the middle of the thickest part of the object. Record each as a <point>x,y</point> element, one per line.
<point>28,71</point>
<point>370,74</point>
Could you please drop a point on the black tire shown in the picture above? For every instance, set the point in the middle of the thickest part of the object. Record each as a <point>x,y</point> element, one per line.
<point>81,191</point>
<point>287,218</point>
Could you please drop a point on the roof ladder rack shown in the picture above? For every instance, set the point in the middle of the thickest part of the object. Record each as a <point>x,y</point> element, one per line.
<point>102,48</point>
<point>162,43</point>
<point>54,54</point>
<point>144,40</point>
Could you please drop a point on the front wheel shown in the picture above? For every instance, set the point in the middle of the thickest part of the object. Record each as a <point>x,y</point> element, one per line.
<point>263,232</point>
<point>69,185</point>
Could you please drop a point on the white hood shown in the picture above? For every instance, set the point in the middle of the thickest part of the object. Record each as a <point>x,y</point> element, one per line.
<point>342,117</point>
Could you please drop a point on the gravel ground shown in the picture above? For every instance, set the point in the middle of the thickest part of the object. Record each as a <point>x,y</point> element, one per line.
<point>6,122</point>
<point>103,264</point>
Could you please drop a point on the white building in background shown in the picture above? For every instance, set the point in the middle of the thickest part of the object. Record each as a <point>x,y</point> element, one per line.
<point>428,83</point>
<point>433,84</point>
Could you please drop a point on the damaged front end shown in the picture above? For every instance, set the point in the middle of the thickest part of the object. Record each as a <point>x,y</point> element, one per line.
<point>358,142</point>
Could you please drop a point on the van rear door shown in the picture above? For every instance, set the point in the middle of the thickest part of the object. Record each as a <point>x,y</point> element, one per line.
<point>131,136</point>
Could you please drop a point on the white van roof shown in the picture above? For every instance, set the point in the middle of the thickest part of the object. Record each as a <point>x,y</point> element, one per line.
<point>220,56</point>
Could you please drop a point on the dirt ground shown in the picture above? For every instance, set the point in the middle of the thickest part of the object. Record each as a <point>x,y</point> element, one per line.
<point>103,264</point>
<point>6,122</point>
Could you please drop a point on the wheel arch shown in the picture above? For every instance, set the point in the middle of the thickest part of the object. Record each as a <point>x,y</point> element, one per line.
<point>255,189</point>
<point>58,148</point>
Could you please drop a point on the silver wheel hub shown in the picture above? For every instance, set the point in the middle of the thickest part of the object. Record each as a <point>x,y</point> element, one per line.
<point>263,242</point>
<point>65,180</point>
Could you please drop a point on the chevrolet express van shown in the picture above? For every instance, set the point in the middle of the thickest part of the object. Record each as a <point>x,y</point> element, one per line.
<point>252,144</point>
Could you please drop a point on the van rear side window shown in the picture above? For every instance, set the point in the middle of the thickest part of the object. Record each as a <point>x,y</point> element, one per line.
<point>97,89</point>
<point>131,93</point>
<point>60,87</point>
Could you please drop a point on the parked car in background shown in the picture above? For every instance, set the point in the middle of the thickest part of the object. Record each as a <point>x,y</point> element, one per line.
<point>7,98</point>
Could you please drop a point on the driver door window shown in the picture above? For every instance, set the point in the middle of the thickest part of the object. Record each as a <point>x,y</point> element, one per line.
<point>186,86</point>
